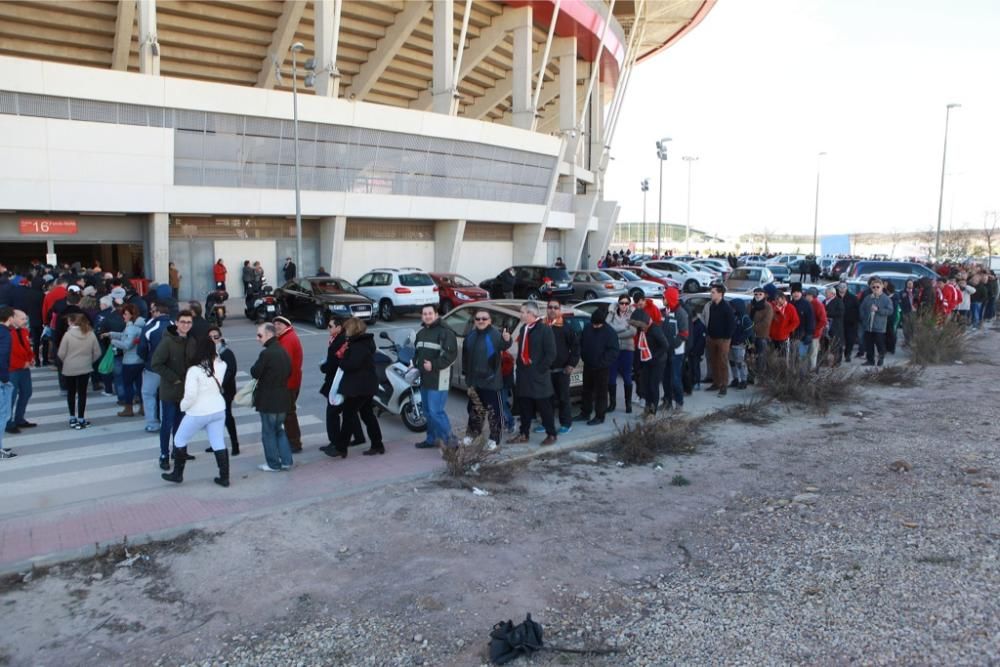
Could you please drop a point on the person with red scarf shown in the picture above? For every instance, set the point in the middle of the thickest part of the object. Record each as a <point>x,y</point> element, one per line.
<point>536,351</point>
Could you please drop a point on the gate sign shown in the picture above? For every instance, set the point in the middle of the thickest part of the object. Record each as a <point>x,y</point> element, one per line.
<point>47,226</point>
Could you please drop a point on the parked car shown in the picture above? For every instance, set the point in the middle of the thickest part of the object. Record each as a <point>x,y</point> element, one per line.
<point>654,276</point>
<point>533,282</point>
<point>455,289</point>
<point>825,266</point>
<point>691,278</point>
<point>318,299</point>
<point>593,284</point>
<point>751,260</point>
<point>635,284</point>
<point>840,267</point>
<point>898,280</point>
<point>396,291</point>
<point>869,267</point>
<point>784,260</point>
<point>610,302</point>
<point>694,303</point>
<point>506,314</point>
<point>719,266</point>
<point>746,278</point>
<point>780,273</point>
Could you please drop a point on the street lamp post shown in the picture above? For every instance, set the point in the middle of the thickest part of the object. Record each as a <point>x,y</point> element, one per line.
<point>944,162</point>
<point>297,47</point>
<point>687,232</point>
<point>819,162</point>
<point>644,184</point>
<point>661,153</point>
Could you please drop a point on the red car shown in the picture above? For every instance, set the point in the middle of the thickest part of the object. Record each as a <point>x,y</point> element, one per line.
<point>653,275</point>
<point>456,289</point>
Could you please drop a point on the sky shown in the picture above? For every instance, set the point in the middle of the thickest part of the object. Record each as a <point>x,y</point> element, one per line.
<point>758,89</point>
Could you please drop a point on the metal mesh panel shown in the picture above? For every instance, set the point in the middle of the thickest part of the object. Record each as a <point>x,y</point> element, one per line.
<point>222,174</point>
<point>187,172</point>
<point>133,114</point>
<point>93,111</point>
<point>263,127</point>
<point>224,123</point>
<point>43,105</point>
<point>189,145</point>
<point>189,120</point>
<point>223,147</point>
<point>8,102</point>
<point>333,133</point>
<point>261,149</point>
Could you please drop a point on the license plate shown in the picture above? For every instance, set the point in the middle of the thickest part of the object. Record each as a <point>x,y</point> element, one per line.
<point>270,309</point>
<point>576,378</point>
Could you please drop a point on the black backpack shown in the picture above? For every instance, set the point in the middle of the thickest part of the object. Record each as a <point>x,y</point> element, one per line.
<point>509,641</point>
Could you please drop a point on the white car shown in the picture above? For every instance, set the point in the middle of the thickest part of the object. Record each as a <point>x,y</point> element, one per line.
<point>691,278</point>
<point>784,260</point>
<point>719,266</point>
<point>395,291</point>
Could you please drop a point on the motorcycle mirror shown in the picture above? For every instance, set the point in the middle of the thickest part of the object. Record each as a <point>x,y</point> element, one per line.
<point>383,334</point>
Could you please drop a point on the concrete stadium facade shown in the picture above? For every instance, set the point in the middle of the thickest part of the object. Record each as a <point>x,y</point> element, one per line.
<point>448,135</point>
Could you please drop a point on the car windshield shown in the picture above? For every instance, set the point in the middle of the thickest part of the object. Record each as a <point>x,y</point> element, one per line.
<point>557,275</point>
<point>740,274</point>
<point>415,280</point>
<point>333,286</point>
<point>601,275</point>
<point>460,281</point>
<point>779,271</point>
<point>686,267</point>
<point>629,276</point>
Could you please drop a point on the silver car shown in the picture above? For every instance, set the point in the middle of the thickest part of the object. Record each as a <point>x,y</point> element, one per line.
<point>635,284</point>
<point>594,284</point>
<point>745,278</point>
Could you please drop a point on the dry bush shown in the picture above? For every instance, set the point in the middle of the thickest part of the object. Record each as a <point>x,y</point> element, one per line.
<point>894,376</point>
<point>756,412</point>
<point>464,459</point>
<point>933,343</point>
<point>789,382</point>
<point>643,441</point>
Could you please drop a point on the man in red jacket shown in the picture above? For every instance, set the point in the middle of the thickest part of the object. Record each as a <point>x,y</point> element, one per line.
<point>21,358</point>
<point>784,324</point>
<point>819,314</point>
<point>289,341</point>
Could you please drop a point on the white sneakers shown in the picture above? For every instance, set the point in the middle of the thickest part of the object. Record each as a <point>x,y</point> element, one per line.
<point>267,468</point>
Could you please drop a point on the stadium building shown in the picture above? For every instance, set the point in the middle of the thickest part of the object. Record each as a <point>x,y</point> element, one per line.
<point>454,135</point>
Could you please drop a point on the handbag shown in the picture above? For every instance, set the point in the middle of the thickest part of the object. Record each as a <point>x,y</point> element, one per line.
<point>107,365</point>
<point>244,396</point>
<point>334,396</point>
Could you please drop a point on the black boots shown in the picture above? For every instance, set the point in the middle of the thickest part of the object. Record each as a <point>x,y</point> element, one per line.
<point>612,398</point>
<point>374,449</point>
<point>628,399</point>
<point>177,476</point>
<point>235,448</point>
<point>222,460</point>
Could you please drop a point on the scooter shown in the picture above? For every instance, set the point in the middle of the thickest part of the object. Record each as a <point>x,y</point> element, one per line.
<point>215,304</point>
<point>264,307</point>
<point>399,383</point>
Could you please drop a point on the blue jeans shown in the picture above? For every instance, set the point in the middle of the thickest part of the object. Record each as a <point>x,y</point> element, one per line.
<point>150,385</point>
<point>6,392</point>
<point>21,382</point>
<point>508,415</point>
<point>676,373</point>
<point>622,366</point>
<point>131,382</point>
<point>438,426</point>
<point>170,419</point>
<point>977,315</point>
<point>277,450</point>
<point>118,379</point>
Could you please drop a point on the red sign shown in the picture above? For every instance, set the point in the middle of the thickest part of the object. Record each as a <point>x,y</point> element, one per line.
<point>47,226</point>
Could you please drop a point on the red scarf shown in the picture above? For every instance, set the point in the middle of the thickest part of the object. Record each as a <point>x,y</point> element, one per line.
<point>343,349</point>
<point>526,344</point>
<point>645,354</point>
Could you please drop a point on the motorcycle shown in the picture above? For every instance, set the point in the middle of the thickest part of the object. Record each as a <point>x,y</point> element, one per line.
<point>215,304</point>
<point>262,306</point>
<point>399,383</point>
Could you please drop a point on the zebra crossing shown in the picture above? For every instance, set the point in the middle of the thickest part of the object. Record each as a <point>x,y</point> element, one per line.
<point>57,465</point>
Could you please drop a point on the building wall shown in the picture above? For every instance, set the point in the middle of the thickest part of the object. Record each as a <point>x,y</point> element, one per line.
<point>485,259</point>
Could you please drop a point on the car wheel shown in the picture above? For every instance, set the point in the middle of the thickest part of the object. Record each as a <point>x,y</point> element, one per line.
<point>445,307</point>
<point>691,286</point>
<point>533,295</point>
<point>319,319</point>
<point>636,293</point>
<point>386,311</point>
<point>589,294</point>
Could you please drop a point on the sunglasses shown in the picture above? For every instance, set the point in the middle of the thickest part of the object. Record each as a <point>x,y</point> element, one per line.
<point>482,319</point>
<point>216,337</point>
<point>551,307</point>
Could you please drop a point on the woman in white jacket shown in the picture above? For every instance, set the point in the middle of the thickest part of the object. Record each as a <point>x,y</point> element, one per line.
<point>204,407</point>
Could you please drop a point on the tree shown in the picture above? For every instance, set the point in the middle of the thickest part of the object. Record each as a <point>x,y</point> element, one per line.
<point>989,231</point>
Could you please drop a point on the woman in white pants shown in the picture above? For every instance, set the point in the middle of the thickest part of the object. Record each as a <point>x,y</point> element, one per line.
<point>204,407</point>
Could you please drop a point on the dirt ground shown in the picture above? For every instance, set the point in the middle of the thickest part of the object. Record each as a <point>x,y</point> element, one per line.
<point>869,534</point>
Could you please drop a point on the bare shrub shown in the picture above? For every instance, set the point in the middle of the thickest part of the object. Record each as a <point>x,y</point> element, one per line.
<point>643,441</point>
<point>789,381</point>
<point>932,342</point>
<point>466,458</point>
<point>756,412</point>
<point>894,376</point>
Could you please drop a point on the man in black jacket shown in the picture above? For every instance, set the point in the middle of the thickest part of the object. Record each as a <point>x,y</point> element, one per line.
<point>536,350</point>
<point>598,349</point>
<point>803,336</point>
<point>852,316</point>
<point>507,280</point>
<point>835,318</point>
<point>567,357</point>
<point>334,413</point>
<point>481,368</point>
<point>652,350</point>
<point>719,326</point>
<point>272,399</point>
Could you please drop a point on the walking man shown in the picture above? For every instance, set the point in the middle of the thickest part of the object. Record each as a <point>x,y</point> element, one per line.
<point>599,350</point>
<point>170,362</point>
<point>21,357</point>
<point>535,354</point>
<point>290,343</point>
<point>567,357</point>
<point>149,340</point>
<point>272,400</point>
<point>436,351</point>
<point>481,366</point>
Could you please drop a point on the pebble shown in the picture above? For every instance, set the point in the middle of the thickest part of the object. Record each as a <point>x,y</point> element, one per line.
<point>805,498</point>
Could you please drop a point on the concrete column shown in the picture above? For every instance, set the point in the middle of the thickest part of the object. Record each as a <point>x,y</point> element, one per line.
<point>528,243</point>
<point>149,47</point>
<point>523,116</point>
<point>448,235</point>
<point>567,90</point>
<point>331,243</point>
<point>158,246</point>
<point>444,56</point>
<point>596,124</point>
<point>326,23</point>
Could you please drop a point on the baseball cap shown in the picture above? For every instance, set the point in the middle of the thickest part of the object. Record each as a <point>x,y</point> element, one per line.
<point>758,290</point>
<point>284,320</point>
<point>118,293</point>
<point>813,291</point>
<point>73,288</point>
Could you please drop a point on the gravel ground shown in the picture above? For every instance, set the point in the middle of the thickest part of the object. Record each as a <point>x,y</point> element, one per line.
<point>868,535</point>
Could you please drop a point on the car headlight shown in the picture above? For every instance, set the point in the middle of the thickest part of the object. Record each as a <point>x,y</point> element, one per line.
<point>463,297</point>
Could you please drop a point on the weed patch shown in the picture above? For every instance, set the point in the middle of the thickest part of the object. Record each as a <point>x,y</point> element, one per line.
<point>790,382</point>
<point>932,342</point>
<point>894,376</point>
<point>643,441</point>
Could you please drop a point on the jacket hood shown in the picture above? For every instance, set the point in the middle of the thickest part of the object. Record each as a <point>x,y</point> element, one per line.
<point>672,297</point>
<point>75,332</point>
<point>363,339</point>
<point>738,307</point>
<point>163,291</point>
<point>139,321</point>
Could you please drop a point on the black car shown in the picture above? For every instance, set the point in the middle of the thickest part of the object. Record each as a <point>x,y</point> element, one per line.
<point>320,298</point>
<point>533,282</point>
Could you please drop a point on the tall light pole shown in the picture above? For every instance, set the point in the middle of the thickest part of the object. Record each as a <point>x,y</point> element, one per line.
<point>944,163</point>
<point>297,47</point>
<point>819,162</point>
<point>661,153</point>
<point>644,184</point>
<point>687,232</point>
